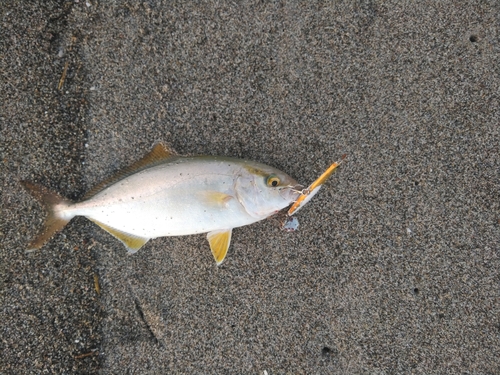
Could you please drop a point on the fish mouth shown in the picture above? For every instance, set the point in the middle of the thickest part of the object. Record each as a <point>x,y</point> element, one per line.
<point>291,192</point>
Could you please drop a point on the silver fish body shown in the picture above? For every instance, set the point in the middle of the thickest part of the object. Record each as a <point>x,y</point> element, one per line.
<point>168,195</point>
<point>188,195</point>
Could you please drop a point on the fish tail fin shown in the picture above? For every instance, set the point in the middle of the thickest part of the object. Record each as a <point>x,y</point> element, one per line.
<point>55,220</point>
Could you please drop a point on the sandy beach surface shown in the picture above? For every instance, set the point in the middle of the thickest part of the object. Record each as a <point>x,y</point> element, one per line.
<point>395,267</point>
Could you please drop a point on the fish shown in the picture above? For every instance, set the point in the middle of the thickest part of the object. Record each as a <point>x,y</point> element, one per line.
<point>165,194</point>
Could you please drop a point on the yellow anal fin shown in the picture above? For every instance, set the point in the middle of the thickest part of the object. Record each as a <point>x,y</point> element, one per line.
<point>158,154</point>
<point>219,243</point>
<point>213,197</point>
<point>132,242</point>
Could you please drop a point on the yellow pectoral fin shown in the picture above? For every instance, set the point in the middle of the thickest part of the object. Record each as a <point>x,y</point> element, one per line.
<point>216,198</point>
<point>219,243</point>
<point>132,242</point>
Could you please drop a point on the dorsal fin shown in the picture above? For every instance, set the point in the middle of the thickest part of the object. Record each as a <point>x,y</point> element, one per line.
<point>158,154</point>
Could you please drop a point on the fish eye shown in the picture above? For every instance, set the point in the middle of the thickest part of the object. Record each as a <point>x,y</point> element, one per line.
<point>272,180</point>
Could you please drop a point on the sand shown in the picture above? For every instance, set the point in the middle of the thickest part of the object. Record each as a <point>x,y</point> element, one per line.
<point>395,267</point>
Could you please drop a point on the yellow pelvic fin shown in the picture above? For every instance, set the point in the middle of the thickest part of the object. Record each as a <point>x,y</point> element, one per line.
<point>216,197</point>
<point>158,154</point>
<point>219,243</point>
<point>132,242</point>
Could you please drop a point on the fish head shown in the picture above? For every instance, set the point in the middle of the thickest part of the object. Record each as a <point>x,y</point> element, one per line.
<point>264,191</point>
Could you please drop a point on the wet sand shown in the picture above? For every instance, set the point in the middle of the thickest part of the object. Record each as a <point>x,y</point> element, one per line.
<point>395,266</point>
